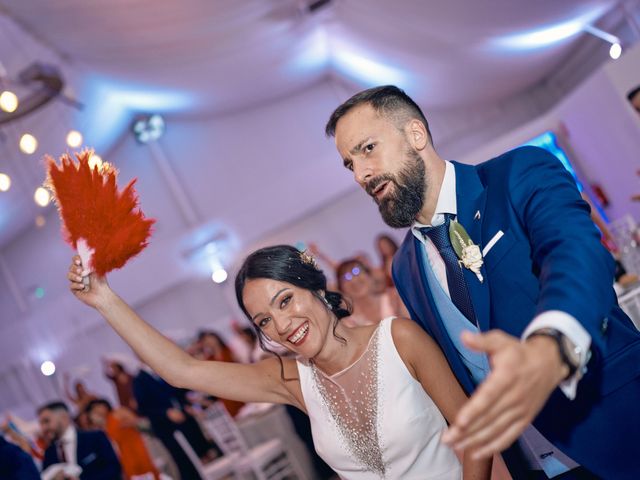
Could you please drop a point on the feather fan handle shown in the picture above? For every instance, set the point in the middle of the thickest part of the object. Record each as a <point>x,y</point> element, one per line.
<point>105,225</point>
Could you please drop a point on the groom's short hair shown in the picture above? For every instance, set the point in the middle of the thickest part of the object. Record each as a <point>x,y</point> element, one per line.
<point>387,100</point>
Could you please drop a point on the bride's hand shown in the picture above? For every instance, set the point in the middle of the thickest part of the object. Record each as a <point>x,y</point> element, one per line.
<point>93,295</point>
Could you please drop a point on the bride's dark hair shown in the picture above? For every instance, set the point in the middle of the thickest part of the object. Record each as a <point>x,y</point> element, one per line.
<point>285,263</point>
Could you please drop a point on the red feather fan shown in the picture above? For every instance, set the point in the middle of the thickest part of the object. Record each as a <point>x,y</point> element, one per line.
<point>91,208</point>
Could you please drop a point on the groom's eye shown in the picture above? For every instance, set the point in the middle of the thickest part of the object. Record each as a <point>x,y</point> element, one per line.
<point>369,148</point>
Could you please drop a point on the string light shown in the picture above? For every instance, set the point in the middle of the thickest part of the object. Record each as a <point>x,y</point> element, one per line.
<point>28,143</point>
<point>95,161</point>
<point>74,138</point>
<point>42,196</point>
<point>8,101</point>
<point>5,182</point>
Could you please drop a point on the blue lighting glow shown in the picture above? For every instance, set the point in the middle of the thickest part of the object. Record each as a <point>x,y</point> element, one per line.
<point>111,105</point>
<point>364,69</point>
<point>549,35</point>
<point>313,53</point>
<point>549,142</point>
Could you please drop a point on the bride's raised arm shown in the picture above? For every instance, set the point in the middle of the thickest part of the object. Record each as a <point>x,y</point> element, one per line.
<point>259,382</point>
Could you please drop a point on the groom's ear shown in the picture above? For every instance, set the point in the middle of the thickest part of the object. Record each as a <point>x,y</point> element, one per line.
<point>417,134</point>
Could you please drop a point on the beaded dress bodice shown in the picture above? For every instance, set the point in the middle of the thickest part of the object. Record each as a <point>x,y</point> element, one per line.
<point>374,420</point>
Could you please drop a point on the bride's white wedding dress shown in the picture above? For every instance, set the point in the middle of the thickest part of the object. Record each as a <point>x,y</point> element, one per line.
<point>374,420</point>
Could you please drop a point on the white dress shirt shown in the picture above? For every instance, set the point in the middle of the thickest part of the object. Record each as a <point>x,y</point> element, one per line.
<point>556,319</point>
<point>69,441</point>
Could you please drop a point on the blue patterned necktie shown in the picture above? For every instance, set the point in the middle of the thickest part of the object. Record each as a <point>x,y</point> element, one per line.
<point>455,276</point>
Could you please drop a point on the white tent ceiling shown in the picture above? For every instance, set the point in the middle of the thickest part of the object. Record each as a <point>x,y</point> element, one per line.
<point>202,58</point>
<point>212,63</point>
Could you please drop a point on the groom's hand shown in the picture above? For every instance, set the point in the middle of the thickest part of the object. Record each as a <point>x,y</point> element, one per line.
<point>522,377</point>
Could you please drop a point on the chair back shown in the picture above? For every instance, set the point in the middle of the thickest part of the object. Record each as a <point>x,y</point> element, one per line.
<point>190,452</point>
<point>224,430</point>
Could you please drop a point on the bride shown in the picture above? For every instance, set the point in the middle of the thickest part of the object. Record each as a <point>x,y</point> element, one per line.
<point>377,396</point>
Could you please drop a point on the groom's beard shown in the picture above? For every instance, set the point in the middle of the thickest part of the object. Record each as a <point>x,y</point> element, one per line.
<point>400,206</point>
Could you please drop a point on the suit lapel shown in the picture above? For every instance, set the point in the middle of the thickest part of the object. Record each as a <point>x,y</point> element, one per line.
<point>471,199</point>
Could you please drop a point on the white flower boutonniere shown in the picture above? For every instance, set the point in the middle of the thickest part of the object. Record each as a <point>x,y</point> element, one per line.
<point>468,252</point>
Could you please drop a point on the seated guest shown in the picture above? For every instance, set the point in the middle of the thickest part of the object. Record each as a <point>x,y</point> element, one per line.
<point>15,464</point>
<point>91,450</point>
<point>121,426</point>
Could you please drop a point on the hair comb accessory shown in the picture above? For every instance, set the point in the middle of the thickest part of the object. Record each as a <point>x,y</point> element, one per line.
<point>308,259</point>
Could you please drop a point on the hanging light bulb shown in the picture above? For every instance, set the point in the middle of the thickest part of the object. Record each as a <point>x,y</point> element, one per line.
<point>8,101</point>
<point>42,196</point>
<point>5,182</point>
<point>28,143</point>
<point>95,160</point>
<point>74,138</point>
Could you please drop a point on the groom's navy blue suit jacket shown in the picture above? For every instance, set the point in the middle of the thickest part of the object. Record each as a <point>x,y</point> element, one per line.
<point>549,258</point>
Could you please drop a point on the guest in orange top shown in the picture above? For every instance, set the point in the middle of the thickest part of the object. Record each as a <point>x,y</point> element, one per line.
<point>120,425</point>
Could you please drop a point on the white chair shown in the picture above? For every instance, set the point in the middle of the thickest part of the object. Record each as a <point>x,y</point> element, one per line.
<point>220,468</point>
<point>269,460</point>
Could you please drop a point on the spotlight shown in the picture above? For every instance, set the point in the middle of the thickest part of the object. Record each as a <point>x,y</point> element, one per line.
<point>48,368</point>
<point>616,46</point>
<point>40,221</point>
<point>42,196</point>
<point>219,275</point>
<point>28,143</point>
<point>615,51</point>
<point>8,101</point>
<point>74,138</point>
<point>148,129</point>
<point>5,182</point>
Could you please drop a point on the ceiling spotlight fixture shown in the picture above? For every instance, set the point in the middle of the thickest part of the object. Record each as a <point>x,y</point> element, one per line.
<point>8,101</point>
<point>48,368</point>
<point>615,51</point>
<point>148,129</point>
<point>28,143</point>
<point>42,196</point>
<point>74,138</point>
<point>219,275</point>
<point>5,182</point>
<point>616,45</point>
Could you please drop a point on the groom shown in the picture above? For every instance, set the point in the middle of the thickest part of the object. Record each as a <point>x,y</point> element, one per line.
<point>530,325</point>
